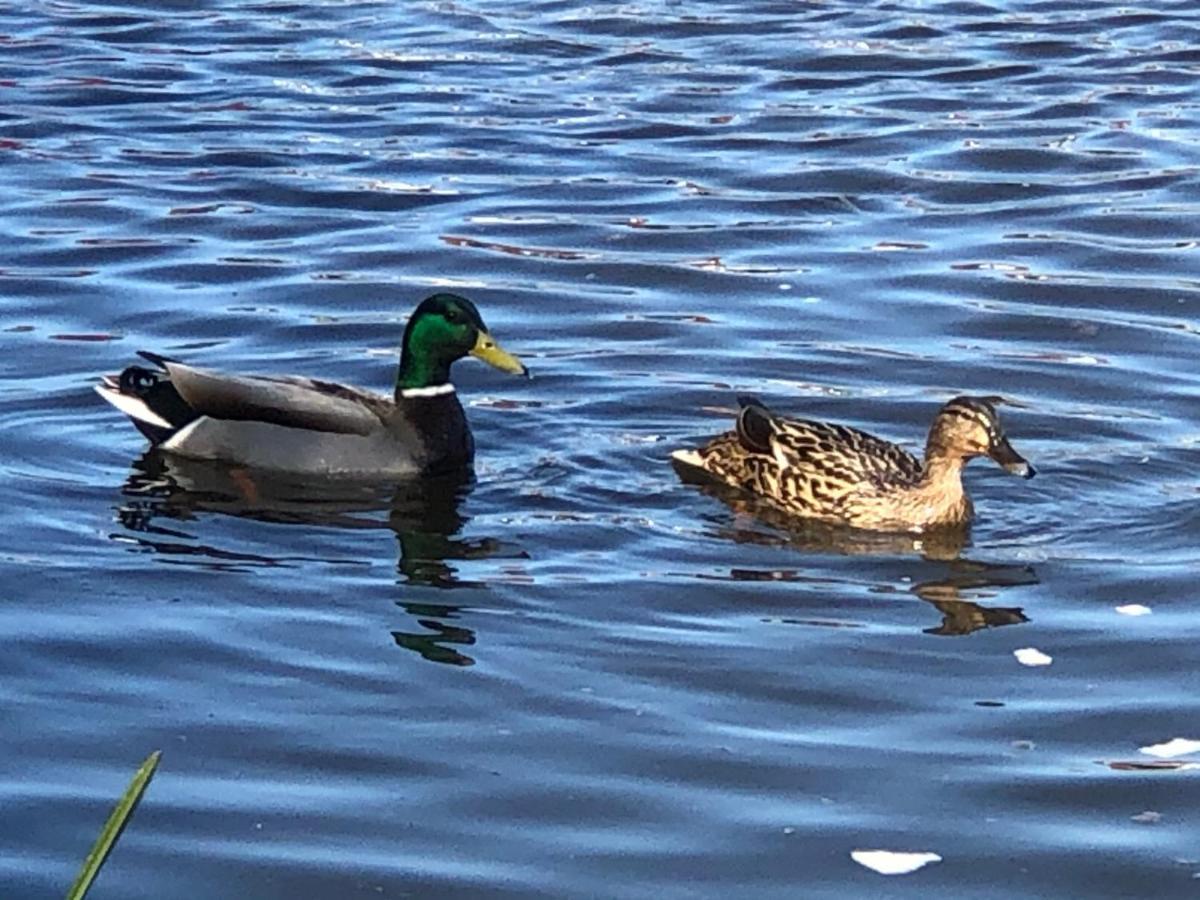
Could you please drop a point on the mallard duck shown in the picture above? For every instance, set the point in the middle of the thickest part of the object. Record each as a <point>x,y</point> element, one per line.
<point>305,425</point>
<point>845,476</point>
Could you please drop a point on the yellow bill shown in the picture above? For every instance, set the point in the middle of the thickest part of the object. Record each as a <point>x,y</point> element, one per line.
<point>493,354</point>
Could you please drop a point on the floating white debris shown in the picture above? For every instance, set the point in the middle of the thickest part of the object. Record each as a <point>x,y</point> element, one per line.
<point>1031,656</point>
<point>889,862</point>
<point>1173,747</point>
<point>1133,609</point>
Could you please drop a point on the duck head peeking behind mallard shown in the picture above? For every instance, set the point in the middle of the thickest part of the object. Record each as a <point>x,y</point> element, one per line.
<point>845,476</point>
<point>306,425</point>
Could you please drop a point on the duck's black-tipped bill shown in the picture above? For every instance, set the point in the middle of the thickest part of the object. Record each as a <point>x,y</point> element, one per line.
<point>1010,460</point>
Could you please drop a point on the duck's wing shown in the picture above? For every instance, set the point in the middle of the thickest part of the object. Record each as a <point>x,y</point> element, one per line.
<point>846,452</point>
<point>304,403</point>
<point>835,450</point>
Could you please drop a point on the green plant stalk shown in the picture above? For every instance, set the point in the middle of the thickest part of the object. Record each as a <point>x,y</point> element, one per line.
<point>113,827</point>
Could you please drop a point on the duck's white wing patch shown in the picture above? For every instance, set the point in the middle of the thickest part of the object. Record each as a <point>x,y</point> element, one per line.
<point>779,453</point>
<point>134,407</point>
<point>688,457</point>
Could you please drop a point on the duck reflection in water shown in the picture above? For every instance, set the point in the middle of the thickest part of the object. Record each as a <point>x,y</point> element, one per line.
<point>947,592</point>
<point>961,616</point>
<point>424,517</point>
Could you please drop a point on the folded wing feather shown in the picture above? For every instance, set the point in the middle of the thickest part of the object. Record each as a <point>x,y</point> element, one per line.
<point>292,402</point>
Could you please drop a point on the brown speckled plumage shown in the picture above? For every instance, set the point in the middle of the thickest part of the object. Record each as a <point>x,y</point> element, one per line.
<point>843,475</point>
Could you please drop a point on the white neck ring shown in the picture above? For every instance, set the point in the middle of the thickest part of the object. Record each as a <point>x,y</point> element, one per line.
<point>434,390</point>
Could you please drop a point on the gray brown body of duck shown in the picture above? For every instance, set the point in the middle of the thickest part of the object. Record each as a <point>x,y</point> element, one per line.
<point>305,425</point>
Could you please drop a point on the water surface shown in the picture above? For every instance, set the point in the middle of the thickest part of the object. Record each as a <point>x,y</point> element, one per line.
<point>576,676</point>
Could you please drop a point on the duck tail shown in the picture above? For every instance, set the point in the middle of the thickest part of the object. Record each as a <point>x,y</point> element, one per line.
<point>755,424</point>
<point>149,399</point>
<point>157,358</point>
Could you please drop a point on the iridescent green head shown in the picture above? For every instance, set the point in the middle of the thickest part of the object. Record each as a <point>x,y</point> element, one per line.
<point>445,328</point>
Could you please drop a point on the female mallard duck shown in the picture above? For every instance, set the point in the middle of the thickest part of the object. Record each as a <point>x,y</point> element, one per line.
<point>842,475</point>
<point>316,427</point>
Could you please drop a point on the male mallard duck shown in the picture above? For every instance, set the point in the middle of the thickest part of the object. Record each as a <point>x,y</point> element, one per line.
<point>304,425</point>
<point>842,475</point>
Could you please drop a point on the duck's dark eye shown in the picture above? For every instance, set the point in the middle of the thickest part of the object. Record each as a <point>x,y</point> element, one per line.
<point>451,315</point>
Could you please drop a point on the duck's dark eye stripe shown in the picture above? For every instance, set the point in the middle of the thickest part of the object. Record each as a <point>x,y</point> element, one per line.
<point>980,414</point>
<point>959,412</point>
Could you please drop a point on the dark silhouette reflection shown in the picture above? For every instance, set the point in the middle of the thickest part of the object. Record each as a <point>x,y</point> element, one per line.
<point>945,546</point>
<point>962,616</point>
<point>433,647</point>
<point>162,492</point>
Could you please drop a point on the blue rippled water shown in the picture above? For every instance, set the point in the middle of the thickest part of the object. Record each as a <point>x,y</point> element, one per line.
<point>578,676</point>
